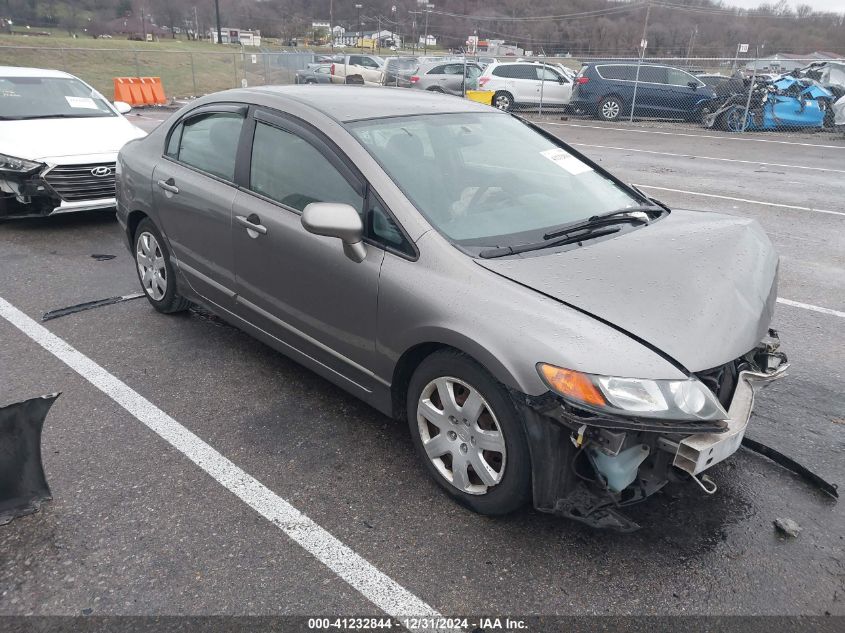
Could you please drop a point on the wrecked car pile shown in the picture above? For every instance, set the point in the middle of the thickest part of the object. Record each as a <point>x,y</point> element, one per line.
<point>758,104</point>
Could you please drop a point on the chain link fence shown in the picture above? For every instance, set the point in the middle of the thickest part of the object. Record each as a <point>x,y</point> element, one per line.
<point>183,74</point>
<point>733,94</point>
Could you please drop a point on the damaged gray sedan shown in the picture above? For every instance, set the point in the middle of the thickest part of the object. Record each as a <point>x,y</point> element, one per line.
<point>549,333</point>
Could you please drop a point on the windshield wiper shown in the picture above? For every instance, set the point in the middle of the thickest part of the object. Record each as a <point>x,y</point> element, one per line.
<point>60,116</point>
<point>620,216</point>
<point>570,237</point>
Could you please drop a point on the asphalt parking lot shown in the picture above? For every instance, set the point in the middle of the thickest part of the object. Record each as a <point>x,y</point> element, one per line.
<point>137,528</point>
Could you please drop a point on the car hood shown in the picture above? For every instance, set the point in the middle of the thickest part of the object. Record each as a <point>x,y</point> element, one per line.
<point>700,287</point>
<point>45,139</point>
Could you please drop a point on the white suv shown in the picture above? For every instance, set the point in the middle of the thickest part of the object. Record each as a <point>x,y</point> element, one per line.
<point>523,84</point>
<point>59,140</point>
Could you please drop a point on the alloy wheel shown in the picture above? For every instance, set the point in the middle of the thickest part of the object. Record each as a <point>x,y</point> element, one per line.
<point>461,435</point>
<point>502,102</point>
<point>151,266</point>
<point>610,109</point>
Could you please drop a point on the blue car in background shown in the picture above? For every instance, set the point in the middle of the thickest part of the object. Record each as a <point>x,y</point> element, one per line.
<point>606,90</point>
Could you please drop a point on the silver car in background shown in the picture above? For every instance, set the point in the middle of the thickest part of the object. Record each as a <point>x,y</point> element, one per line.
<point>448,78</point>
<point>548,333</point>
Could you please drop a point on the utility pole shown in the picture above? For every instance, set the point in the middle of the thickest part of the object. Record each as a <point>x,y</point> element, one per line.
<point>219,29</point>
<point>428,9</point>
<point>331,23</point>
<point>378,35</point>
<point>196,24</point>
<point>143,24</point>
<point>645,29</point>
<point>360,28</point>
<point>691,41</point>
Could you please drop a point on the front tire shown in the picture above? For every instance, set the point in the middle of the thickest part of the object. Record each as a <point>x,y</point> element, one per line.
<point>736,120</point>
<point>468,434</point>
<point>155,269</point>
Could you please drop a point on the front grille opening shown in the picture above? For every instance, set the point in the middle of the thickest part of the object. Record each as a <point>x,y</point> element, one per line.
<point>92,181</point>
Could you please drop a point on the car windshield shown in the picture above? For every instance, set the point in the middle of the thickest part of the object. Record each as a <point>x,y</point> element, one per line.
<point>49,97</point>
<point>485,179</point>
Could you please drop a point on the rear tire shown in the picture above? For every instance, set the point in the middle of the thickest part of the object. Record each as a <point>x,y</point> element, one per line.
<point>475,429</point>
<point>610,109</point>
<point>357,80</point>
<point>502,100</point>
<point>155,269</point>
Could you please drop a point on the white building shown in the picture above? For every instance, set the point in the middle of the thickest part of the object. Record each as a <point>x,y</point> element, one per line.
<point>237,36</point>
<point>432,41</point>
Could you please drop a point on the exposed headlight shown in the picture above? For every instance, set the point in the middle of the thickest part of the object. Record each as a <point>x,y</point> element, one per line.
<point>17,165</point>
<point>685,399</point>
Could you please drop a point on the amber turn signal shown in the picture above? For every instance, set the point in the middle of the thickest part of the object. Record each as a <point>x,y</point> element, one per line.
<point>571,384</point>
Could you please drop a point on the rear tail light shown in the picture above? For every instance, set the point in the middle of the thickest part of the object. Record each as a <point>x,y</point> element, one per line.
<point>582,80</point>
<point>332,69</point>
<point>482,81</point>
<point>414,79</point>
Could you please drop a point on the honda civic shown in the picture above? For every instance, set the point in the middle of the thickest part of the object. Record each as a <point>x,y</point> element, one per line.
<point>548,333</point>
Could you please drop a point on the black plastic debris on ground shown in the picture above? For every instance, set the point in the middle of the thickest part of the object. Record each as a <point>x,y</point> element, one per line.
<point>87,305</point>
<point>23,486</point>
<point>102,258</point>
<point>791,464</point>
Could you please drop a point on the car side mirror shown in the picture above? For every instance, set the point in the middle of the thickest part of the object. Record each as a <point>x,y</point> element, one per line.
<point>122,107</point>
<point>334,219</point>
<point>692,85</point>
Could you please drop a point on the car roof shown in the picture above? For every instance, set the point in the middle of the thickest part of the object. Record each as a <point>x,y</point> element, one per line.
<point>346,103</point>
<point>21,71</point>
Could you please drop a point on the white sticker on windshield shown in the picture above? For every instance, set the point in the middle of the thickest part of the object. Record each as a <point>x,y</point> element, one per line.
<point>567,161</point>
<point>82,102</point>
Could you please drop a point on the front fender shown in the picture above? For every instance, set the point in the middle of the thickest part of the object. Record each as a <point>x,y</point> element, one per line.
<point>445,297</point>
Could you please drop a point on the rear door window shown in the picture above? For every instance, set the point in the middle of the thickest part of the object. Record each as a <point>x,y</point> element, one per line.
<point>527,71</point>
<point>209,142</point>
<point>653,74</point>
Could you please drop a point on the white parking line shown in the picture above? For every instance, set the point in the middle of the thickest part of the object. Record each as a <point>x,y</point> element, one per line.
<point>727,160</point>
<point>374,585</point>
<point>809,306</point>
<point>725,138</point>
<point>768,204</point>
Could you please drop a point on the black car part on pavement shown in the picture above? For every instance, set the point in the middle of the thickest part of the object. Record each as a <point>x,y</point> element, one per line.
<point>23,486</point>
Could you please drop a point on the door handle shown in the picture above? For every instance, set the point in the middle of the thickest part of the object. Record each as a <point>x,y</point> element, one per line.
<point>252,224</point>
<point>169,185</point>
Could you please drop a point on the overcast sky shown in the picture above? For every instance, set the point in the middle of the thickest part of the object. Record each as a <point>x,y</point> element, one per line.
<point>837,6</point>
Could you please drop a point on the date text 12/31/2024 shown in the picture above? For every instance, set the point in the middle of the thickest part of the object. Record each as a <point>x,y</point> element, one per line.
<point>417,624</point>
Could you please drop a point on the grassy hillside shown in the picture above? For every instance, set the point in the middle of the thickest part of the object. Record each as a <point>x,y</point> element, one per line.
<point>98,61</point>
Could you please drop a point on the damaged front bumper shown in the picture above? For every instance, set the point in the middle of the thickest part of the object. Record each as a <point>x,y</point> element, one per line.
<point>588,466</point>
<point>32,195</point>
